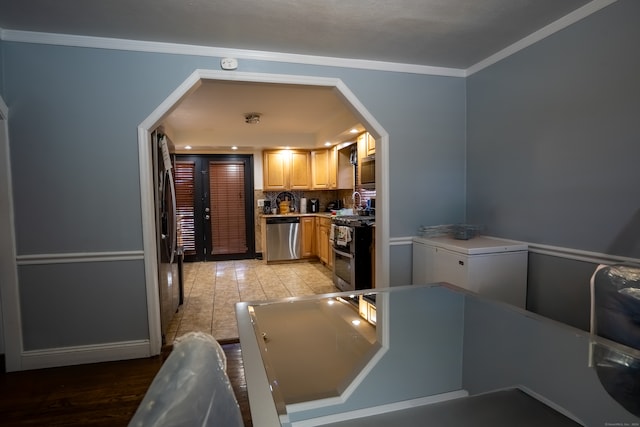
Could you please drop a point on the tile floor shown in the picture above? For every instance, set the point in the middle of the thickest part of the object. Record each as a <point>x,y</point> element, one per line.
<point>211,290</point>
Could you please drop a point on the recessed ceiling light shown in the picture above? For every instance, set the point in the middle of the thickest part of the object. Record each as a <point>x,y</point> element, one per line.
<point>354,130</point>
<point>234,148</point>
<point>327,144</point>
<point>187,147</point>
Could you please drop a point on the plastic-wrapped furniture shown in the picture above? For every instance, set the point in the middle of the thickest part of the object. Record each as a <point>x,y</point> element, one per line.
<point>615,315</point>
<point>191,388</point>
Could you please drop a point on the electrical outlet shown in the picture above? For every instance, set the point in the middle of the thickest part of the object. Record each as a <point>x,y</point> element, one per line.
<point>260,203</point>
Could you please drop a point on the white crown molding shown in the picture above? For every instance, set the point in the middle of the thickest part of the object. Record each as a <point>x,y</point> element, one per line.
<point>181,49</point>
<point>543,33</point>
<point>220,52</point>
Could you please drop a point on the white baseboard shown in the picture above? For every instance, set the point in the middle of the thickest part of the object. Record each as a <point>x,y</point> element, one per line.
<point>65,356</point>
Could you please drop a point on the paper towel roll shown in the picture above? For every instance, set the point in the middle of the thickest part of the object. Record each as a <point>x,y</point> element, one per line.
<point>303,205</point>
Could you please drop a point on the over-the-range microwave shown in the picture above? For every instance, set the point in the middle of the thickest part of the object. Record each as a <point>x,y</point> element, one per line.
<point>368,172</point>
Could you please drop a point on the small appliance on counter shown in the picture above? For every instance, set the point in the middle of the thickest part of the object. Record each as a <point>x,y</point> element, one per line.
<point>266,209</point>
<point>334,205</point>
<point>314,206</point>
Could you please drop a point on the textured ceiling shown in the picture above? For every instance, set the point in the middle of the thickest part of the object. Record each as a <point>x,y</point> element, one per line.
<point>440,33</point>
<point>446,33</point>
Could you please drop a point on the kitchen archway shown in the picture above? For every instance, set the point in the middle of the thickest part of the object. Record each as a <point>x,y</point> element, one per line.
<point>147,190</point>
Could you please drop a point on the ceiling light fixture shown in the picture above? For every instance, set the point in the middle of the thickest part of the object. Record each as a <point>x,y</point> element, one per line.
<point>187,147</point>
<point>234,148</point>
<point>252,118</point>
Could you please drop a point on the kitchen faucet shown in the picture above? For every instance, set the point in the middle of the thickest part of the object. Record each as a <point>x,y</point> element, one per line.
<point>353,198</point>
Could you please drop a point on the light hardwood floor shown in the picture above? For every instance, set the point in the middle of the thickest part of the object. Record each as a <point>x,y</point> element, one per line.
<point>213,288</point>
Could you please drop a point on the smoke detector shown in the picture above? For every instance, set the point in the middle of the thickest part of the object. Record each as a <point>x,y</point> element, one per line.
<point>252,118</point>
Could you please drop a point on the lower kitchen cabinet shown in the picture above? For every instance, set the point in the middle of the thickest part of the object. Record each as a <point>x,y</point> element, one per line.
<point>491,267</point>
<point>307,236</point>
<point>323,244</point>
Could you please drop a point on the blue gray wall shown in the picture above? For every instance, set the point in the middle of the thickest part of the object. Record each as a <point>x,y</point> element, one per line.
<point>504,348</point>
<point>1,68</point>
<point>73,129</point>
<point>553,147</point>
<point>544,143</point>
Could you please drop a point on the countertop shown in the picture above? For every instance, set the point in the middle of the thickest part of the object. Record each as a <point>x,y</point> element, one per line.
<point>319,214</point>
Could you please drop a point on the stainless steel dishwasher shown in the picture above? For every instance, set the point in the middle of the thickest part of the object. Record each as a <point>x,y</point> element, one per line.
<point>283,238</point>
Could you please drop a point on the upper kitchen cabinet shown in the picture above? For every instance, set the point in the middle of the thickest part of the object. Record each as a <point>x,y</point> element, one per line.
<point>366,145</point>
<point>370,144</point>
<point>363,151</point>
<point>286,170</point>
<point>322,169</point>
<point>344,168</point>
<point>331,169</point>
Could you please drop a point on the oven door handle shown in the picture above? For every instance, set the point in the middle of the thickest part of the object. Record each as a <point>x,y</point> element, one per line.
<point>344,254</point>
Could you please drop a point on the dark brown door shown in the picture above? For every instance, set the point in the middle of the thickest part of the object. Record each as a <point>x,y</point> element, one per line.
<point>215,204</point>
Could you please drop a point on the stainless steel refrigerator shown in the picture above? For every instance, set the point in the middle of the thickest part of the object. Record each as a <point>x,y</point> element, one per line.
<point>166,230</point>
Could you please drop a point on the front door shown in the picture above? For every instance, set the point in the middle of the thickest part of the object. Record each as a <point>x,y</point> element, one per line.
<point>215,206</point>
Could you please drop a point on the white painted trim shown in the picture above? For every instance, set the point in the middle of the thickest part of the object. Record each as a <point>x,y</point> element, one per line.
<point>149,243</point>
<point>401,241</point>
<point>382,409</point>
<point>79,257</point>
<point>580,255</point>
<point>146,179</point>
<point>543,33</point>
<point>11,317</point>
<point>76,355</point>
<point>221,52</point>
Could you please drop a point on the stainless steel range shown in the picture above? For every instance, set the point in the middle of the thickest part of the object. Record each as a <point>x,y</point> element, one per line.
<point>352,238</point>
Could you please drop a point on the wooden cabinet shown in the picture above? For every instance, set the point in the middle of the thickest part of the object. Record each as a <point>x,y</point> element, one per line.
<point>371,144</point>
<point>362,152</point>
<point>345,172</point>
<point>275,168</point>
<point>366,147</point>
<point>492,267</point>
<point>286,170</point>
<point>323,246</point>
<point>333,167</point>
<point>320,170</point>
<point>299,170</point>
<point>307,236</point>
<point>324,169</point>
